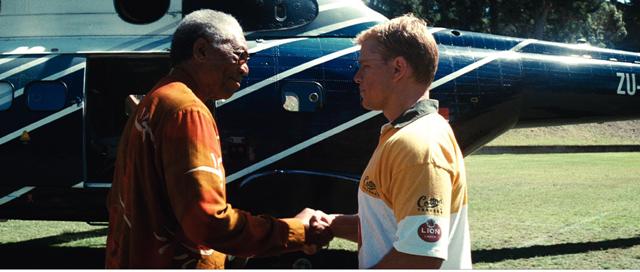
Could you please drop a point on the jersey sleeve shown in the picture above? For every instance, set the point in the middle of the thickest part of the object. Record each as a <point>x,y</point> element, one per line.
<point>421,197</point>
<point>195,181</point>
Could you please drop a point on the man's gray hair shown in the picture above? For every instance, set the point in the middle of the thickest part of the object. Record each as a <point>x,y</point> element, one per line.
<point>217,27</point>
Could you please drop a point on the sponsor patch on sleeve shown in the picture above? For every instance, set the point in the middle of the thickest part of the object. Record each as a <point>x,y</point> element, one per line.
<point>430,205</point>
<point>423,235</point>
<point>430,231</point>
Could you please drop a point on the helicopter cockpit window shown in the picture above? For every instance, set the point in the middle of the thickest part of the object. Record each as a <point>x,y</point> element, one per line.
<point>46,95</point>
<point>256,15</point>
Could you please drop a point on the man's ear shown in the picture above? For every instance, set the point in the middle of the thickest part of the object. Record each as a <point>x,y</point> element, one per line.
<point>400,68</point>
<point>199,51</point>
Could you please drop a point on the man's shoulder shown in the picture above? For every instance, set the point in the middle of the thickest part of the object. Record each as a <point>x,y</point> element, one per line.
<point>428,129</point>
<point>175,96</point>
<point>426,140</point>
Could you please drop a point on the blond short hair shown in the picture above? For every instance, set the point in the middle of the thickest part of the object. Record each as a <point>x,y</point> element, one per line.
<point>406,36</point>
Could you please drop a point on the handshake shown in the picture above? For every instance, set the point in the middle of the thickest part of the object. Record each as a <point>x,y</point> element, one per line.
<point>317,229</point>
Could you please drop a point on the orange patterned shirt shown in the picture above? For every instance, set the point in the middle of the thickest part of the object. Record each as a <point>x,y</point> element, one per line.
<point>167,204</point>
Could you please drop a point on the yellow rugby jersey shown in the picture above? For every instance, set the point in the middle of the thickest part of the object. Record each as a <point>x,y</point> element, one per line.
<point>413,193</point>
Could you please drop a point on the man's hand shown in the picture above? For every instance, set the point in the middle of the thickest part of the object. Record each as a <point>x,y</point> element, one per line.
<point>345,226</point>
<point>317,232</point>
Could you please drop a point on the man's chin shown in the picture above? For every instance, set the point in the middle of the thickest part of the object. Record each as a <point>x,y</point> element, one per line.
<point>364,104</point>
<point>228,92</point>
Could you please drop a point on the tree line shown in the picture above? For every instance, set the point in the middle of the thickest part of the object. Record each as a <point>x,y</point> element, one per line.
<point>604,23</point>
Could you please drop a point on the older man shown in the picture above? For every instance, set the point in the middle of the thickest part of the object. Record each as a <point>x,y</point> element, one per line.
<point>412,202</point>
<point>167,205</point>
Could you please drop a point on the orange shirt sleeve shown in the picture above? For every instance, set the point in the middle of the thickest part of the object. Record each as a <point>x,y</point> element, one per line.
<point>191,158</point>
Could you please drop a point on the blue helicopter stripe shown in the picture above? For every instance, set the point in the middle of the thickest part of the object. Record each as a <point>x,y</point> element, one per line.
<point>368,115</point>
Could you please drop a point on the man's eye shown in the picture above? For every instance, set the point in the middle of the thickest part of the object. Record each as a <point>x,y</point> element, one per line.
<point>243,56</point>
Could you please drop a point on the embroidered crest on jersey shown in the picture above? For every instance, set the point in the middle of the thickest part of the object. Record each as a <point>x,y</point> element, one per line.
<point>370,186</point>
<point>430,231</point>
<point>430,205</point>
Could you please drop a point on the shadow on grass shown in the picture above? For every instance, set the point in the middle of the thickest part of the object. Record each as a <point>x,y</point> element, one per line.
<point>324,259</point>
<point>498,255</point>
<point>43,253</point>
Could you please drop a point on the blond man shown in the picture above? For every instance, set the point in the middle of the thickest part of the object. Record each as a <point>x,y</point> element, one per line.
<point>412,200</point>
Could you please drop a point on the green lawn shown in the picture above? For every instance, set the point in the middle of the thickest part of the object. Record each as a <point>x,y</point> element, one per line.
<point>548,211</point>
<point>608,133</point>
<point>559,211</point>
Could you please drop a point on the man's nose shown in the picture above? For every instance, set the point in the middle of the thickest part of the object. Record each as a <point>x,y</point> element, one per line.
<point>244,69</point>
<point>356,78</point>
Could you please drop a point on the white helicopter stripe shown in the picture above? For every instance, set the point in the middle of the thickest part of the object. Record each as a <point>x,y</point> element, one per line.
<point>16,194</point>
<point>268,44</point>
<point>57,75</point>
<point>478,64</point>
<point>302,145</point>
<point>49,118</point>
<point>5,60</point>
<point>42,122</point>
<point>337,26</point>
<point>335,5</point>
<point>288,73</point>
<point>82,184</point>
<point>369,115</point>
<point>25,66</point>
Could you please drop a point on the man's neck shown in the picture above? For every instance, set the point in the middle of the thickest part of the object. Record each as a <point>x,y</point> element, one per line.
<point>188,77</point>
<point>404,98</point>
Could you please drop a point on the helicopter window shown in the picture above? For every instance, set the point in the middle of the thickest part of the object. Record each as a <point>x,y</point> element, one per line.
<point>46,95</point>
<point>6,95</point>
<point>256,15</point>
<point>141,11</point>
<point>302,96</point>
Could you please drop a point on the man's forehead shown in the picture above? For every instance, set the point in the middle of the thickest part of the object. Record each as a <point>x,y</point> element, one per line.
<point>368,54</point>
<point>370,47</point>
<point>238,42</point>
<point>235,38</point>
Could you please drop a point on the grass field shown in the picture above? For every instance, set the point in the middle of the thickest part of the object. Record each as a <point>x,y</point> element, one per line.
<point>549,211</point>
<point>608,133</point>
<point>561,211</point>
